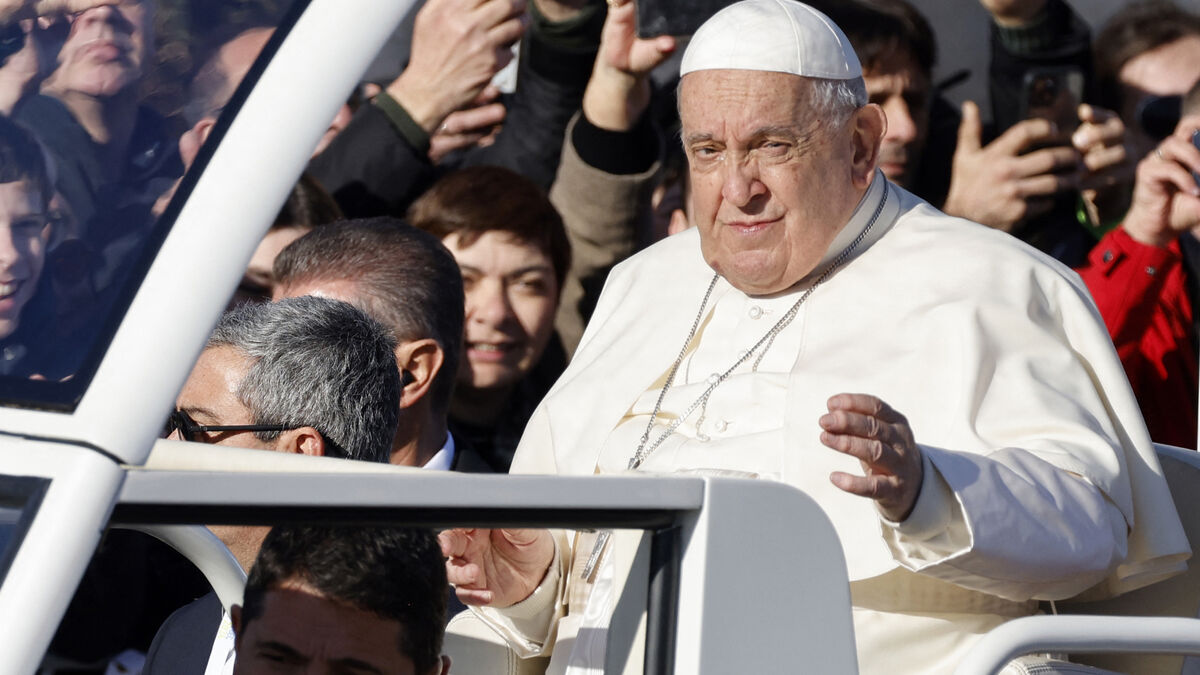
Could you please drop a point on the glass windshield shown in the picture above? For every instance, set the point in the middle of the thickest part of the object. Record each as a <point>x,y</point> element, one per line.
<point>108,112</point>
<point>20,497</point>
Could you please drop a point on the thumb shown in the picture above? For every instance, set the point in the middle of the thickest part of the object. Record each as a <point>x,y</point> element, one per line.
<point>970,129</point>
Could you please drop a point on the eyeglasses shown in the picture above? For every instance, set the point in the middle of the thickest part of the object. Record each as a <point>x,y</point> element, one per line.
<point>1158,115</point>
<point>189,430</point>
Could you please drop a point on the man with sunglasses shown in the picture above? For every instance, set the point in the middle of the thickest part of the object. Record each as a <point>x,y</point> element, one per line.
<point>306,375</point>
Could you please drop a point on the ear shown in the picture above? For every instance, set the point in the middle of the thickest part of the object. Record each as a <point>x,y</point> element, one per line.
<point>868,126</point>
<point>422,360</point>
<point>679,222</point>
<point>445,666</point>
<point>302,441</point>
<point>192,139</point>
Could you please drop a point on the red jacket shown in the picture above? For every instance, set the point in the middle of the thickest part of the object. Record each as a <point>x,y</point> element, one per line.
<point>1142,295</point>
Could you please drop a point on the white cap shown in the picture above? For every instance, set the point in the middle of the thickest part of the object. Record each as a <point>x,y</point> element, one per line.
<point>772,35</point>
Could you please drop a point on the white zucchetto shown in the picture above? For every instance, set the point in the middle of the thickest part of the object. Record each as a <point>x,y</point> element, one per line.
<point>772,35</point>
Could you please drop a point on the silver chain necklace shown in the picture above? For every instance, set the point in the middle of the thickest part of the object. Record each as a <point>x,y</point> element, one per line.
<point>645,447</point>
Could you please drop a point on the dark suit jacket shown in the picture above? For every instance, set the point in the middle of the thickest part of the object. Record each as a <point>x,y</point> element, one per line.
<point>185,640</point>
<point>467,459</point>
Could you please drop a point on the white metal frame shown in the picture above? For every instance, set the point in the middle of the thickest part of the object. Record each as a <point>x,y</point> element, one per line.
<point>58,545</point>
<point>1080,635</point>
<point>742,605</point>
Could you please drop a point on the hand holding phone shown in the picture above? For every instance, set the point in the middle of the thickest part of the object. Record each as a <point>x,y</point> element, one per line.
<point>1054,94</point>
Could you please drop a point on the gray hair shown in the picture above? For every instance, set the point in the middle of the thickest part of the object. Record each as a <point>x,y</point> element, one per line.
<point>836,100</point>
<point>319,363</point>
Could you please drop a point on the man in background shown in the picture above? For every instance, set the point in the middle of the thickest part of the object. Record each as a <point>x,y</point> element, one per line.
<point>353,599</point>
<point>409,282</point>
<point>309,376</point>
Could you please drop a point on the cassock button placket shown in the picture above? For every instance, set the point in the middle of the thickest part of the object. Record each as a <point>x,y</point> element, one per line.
<point>756,312</point>
<point>721,426</point>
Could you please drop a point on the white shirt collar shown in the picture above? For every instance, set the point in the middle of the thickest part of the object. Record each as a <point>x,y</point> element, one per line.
<point>444,459</point>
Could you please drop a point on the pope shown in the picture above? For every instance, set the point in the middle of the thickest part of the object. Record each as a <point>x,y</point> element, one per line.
<point>947,394</point>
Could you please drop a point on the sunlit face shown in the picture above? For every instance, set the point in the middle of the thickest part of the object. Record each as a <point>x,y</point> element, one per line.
<point>209,397</point>
<point>903,90</point>
<point>107,50</point>
<point>300,630</point>
<point>258,283</point>
<point>512,296</point>
<point>1170,70</point>
<point>24,232</point>
<point>771,184</point>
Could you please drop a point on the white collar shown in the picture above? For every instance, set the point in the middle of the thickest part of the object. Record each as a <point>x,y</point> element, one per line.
<point>444,459</point>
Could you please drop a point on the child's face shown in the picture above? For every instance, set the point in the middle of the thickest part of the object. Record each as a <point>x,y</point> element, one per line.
<point>24,231</point>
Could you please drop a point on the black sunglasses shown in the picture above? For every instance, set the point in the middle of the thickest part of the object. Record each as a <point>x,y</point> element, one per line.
<point>189,430</point>
<point>1158,115</point>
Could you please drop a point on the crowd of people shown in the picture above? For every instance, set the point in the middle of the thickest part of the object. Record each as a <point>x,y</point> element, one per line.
<point>948,384</point>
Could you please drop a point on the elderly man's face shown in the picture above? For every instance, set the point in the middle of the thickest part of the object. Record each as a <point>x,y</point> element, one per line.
<point>772,184</point>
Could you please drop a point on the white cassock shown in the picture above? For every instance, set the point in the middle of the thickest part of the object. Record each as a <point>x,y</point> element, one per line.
<point>1037,460</point>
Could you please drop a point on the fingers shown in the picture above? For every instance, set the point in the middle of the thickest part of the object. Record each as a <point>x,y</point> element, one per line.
<point>495,13</point>
<point>487,95</point>
<point>454,542</point>
<point>1104,157</point>
<point>505,34</point>
<point>1177,148</point>
<point>872,487</point>
<point>1047,160</point>
<point>464,128</point>
<point>1023,134</point>
<point>866,428</point>
<point>1045,185</point>
<point>970,130</point>
<point>1099,127</point>
<point>865,404</point>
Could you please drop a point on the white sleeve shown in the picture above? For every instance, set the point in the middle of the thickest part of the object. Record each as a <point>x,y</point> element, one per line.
<point>1009,524</point>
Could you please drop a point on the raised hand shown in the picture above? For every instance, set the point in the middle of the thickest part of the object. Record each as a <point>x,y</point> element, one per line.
<point>497,568</point>
<point>619,89</point>
<point>863,426</point>
<point>999,186</point>
<point>457,46</point>
<point>473,125</point>
<point>1166,198</point>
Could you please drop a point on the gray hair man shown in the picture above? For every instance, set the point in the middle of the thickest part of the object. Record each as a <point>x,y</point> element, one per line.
<point>310,375</point>
<point>824,301</point>
<point>408,281</point>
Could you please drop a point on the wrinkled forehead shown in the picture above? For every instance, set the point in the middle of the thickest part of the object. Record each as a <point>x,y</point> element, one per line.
<point>709,98</point>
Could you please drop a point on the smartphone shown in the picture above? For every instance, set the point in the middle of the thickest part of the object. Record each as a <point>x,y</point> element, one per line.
<point>675,17</point>
<point>1053,93</point>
